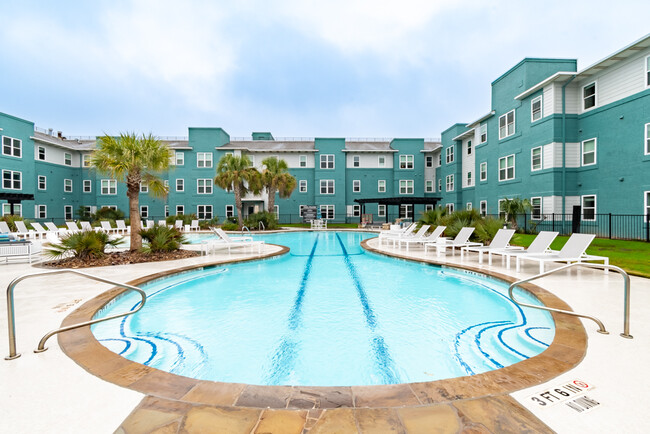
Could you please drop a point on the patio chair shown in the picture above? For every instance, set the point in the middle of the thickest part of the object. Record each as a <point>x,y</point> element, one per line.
<point>540,244</point>
<point>431,238</point>
<point>106,227</point>
<point>4,228</point>
<point>227,241</point>
<point>53,228</point>
<point>39,230</point>
<point>499,242</point>
<point>461,240</point>
<point>23,231</point>
<point>149,224</point>
<point>85,226</point>
<point>122,228</point>
<point>72,226</point>
<point>573,251</point>
<point>195,225</point>
<point>387,236</point>
<point>419,235</point>
<point>179,225</point>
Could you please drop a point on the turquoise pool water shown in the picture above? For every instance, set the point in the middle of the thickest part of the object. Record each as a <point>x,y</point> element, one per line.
<point>326,314</point>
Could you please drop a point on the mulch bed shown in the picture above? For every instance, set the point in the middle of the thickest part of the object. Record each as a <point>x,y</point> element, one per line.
<point>121,258</point>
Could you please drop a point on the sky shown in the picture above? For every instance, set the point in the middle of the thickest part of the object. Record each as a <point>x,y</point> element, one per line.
<point>296,68</point>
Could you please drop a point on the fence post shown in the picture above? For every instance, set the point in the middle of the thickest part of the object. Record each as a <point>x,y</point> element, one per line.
<point>525,221</point>
<point>647,227</point>
<point>610,225</point>
<point>553,220</point>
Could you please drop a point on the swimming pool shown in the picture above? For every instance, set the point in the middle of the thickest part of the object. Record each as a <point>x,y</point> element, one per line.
<point>326,314</point>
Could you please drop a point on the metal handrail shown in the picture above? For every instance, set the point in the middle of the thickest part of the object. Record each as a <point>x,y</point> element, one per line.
<point>626,301</point>
<point>261,226</point>
<point>245,227</point>
<point>41,345</point>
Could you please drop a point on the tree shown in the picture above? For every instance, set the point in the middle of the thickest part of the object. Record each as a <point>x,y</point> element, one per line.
<point>276,177</point>
<point>512,207</point>
<point>133,160</point>
<point>237,174</point>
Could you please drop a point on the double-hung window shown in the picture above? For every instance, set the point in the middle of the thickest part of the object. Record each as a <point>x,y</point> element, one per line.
<point>449,184</point>
<point>67,159</point>
<point>230,211</point>
<point>428,161</point>
<point>381,186</point>
<point>144,211</point>
<point>204,212</point>
<point>469,147</point>
<point>356,186</point>
<point>303,186</point>
<point>449,154</point>
<point>42,182</point>
<point>589,152</point>
<point>327,211</point>
<point>355,161</point>
<point>406,161</point>
<point>41,153</point>
<point>440,184</point>
<point>647,139</point>
<point>507,125</point>
<point>428,186</point>
<point>326,186</point>
<point>204,186</point>
<point>468,206</point>
<point>647,71</point>
<point>85,160</point>
<point>204,159</point>
<point>483,207</point>
<point>483,171</point>
<point>108,186</point>
<point>144,187</point>
<point>303,161</point>
<point>41,211</point>
<point>180,209</point>
<point>646,205</point>
<point>67,212</point>
<point>381,210</point>
<point>406,186</point>
<point>468,179</point>
<point>67,185</point>
<point>12,147</point>
<point>536,159</point>
<point>327,161</point>
<point>381,161</point>
<point>87,186</point>
<point>589,96</point>
<point>483,133</point>
<point>536,109</point>
<point>180,184</point>
<point>180,158</point>
<point>536,208</point>
<point>507,168</point>
<point>589,207</point>
<point>6,209</point>
<point>12,180</point>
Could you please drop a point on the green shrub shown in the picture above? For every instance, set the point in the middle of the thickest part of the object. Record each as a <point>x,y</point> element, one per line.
<point>267,218</point>
<point>83,245</point>
<point>460,219</point>
<point>161,238</point>
<point>207,224</point>
<point>229,226</point>
<point>433,217</point>
<point>106,213</point>
<point>10,219</point>
<point>487,229</point>
<point>187,219</point>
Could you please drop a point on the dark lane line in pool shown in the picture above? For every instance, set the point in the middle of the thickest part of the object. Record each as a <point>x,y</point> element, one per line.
<point>284,357</point>
<point>384,361</point>
<point>462,362</point>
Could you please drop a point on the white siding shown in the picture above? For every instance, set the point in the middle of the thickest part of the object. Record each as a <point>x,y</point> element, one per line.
<point>548,100</point>
<point>55,155</point>
<point>292,160</point>
<point>548,153</point>
<point>368,161</point>
<point>548,204</point>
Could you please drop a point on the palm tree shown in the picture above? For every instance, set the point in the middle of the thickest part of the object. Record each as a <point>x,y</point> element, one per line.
<point>276,177</point>
<point>133,160</point>
<point>237,174</point>
<point>512,207</point>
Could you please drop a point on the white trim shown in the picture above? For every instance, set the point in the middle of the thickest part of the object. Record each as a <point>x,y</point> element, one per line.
<point>428,186</point>
<point>514,124</point>
<point>481,172</point>
<point>202,157</point>
<point>181,208</point>
<point>381,210</point>
<point>582,96</point>
<point>65,160</point>
<point>182,189</point>
<point>514,163</point>
<point>468,206</point>
<point>541,159</point>
<point>207,182</point>
<point>410,165</point>
<point>38,153</point>
<point>646,143</point>
<point>381,183</point>
<point>647,72</point>
<point>230,209</point>
<point>204,212</point>
<point>65,186</point>
<point>379,164</point>
<point>541,208</point>
<point>480,207</point>
<point>37,212</point>
<point>110,184</point>
<point>356,188</point>
<point>13,139</point>
<point>582,204</point>
<point>327,162</point>
<point>541,109</point>
<point>11,180</point>
<point>66,213</point>
<point>480,133</point>
<point>449,181</point>
<point>582,152</point>
<point>145,214</point>
<point>326,182</point>
<point>646,202</point>
<point>409,184</point>
<point>302,183</point>
<point>38,182</point>
<point>449,155</point>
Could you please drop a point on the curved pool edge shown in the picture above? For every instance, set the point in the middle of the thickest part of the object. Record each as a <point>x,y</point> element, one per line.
<point>565,352</point>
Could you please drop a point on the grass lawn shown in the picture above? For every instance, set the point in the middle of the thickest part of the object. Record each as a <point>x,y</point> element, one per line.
<point>632,256</point>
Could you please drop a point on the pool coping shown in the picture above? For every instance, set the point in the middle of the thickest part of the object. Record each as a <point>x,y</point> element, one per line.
<point>565,352</point>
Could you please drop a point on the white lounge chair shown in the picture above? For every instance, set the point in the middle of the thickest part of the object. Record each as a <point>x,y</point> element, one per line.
<point>573,251</point>
<point>23,231</point>
<point>431,238</point>
<point>72,226</point>
<point>195,225</point>
<point>53,228</point>
<point>149,224</point>
<point>540,244</point>
<point>461,240</point>
<point>106,227</point>
<point>85,226</point>
<point>419,236</point>
<point>499,242</point>
<point>179,225</point>
<point>122,228</point>
<point>162,223</point>
<point>387,236</point>
<point>39,230</point>
<point>227,241</point>
<point>4,228</point>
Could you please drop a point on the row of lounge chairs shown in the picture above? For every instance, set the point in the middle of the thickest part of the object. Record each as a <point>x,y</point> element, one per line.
<point>223,240</point>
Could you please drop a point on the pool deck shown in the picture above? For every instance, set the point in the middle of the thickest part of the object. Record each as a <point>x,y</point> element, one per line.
<point>52,392</point>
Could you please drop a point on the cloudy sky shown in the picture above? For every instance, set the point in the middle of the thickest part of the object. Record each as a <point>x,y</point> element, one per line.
<point>337,68</point>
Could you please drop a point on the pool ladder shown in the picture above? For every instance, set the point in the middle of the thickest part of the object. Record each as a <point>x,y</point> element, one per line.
<point>41,345</point>
<point>601,327</point>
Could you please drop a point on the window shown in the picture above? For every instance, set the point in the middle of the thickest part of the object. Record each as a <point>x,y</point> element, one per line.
<point>647,139</point>
<point>144,211</point>
<point>381,161</point>
<point>67,185</point>
<point>12,180</point>
<point>204,159</point>
<point>6,209</point>
<point>303,186</point>
<point>507,125</point>
<point>502,214</point>
<point>276,211</point>
<point>355,161</point>
<point>406,161</point>
<point>42,182</point>
<point>589,96</point>
<point>450,207</point>
<point>450,182</point>
<point>303,161</point>
<point>180,158</point>
<point>507,168</point>
<point>428,186</point>
<point>428,161</point>
<point>469,147</point>
<point>326,186</point>
<point>354,210</point>
<point>41,153</point>
<point>301,208</point>
<point>468,178</point>
<point>180,184</point>
<point>327,211</point>
<point>405,211</point>
<point>356,186</point>
<point>440,159</point>
<point>483,207</point>
<point>536,109</point>
<point>144,187</point>
<point>483,133</point>
<point>468,206</point>
<point>381,210</point>
<point>381,186</point>
<point>449,154</point>
<point>109,186</point>
<point>85,160</point>
<point>536,158</point>
<point>536,208</point>
<point>67,159</point>
<point>406,186</point>
<point>166,183</point>
<point>589,208</point>
<point>230,211</point>
<point>646,205</point>
<point>589,152</point>
<point>67,212</point>
<point>428,207</point>
<point>166,210</point>
<point>483,171</point>
<point>180,209</point>
<point>327,161</point>
<point>440,184</point>
<point>40,211</point>
<point>204,212</point>
<point>12,147</point>
<point>204,186</point>
<point>647,71</point>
